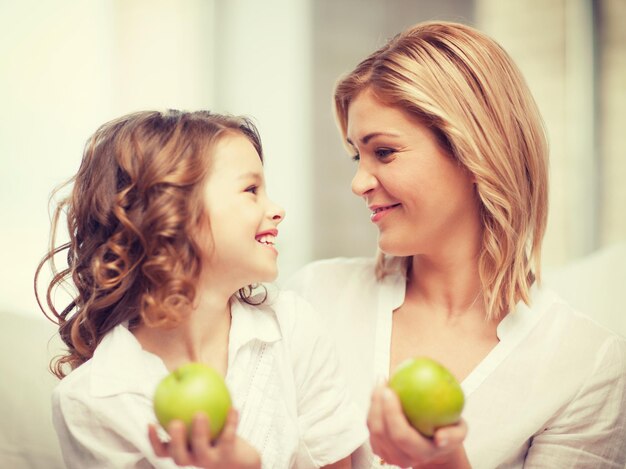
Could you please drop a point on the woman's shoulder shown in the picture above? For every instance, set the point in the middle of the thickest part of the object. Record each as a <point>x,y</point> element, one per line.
<point>576,330</point>
<point>328,274</point>
<point>289,309</point>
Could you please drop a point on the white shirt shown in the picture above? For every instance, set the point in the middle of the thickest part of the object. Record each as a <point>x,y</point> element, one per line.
<point>551,394</point>
<point>282,375</point>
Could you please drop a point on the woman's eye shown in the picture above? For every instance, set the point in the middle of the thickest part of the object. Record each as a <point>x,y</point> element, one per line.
<point>252,189</point>
<point>356,157</point>
<point>382,153</point>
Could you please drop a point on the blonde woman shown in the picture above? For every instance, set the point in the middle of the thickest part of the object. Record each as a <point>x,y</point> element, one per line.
<point>451,158</point>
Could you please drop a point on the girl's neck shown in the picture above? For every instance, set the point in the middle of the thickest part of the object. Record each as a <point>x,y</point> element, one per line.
<point>202,336</point>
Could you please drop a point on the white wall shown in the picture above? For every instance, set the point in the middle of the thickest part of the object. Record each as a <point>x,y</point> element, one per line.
<point>66,66</point>
<point>262,70</point>
<point>70,65</point>
<point>55,89</point>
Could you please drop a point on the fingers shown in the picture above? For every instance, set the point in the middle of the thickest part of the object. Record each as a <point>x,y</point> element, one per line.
<point>452,435</point>
<point>375,422</point>
<point>396,424</point>
<point>229,432</point>
<point>178,448</point>
<point>200,437</point>
<point>406,444</point>
<point>381,440</point>
<point>394,439</point>
<point>160,448</point>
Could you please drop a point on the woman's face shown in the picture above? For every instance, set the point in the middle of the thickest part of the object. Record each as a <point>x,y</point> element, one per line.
<point>421,199</point>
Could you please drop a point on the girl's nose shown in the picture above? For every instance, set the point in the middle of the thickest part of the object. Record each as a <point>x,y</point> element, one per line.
<point>277,213</point>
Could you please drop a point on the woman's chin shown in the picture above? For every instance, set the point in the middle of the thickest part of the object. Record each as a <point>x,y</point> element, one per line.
<point>391,248</point>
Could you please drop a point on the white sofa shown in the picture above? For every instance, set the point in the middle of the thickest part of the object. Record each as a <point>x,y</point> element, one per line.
<point>27,439</point>
<point>594,285</point>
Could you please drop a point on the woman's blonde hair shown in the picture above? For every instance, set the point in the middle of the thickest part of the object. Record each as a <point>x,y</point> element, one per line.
<point>467,90</point>
<point>135,216</point>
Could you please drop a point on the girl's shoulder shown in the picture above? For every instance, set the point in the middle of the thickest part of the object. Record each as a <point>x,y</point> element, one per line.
<point>76,384</point>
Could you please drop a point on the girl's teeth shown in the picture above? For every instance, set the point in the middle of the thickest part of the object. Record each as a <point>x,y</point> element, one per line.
<point>266,239</point>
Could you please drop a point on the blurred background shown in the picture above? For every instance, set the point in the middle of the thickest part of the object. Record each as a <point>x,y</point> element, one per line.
<point>67,66</point>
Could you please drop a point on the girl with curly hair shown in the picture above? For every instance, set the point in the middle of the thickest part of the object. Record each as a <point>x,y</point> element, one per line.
<point>170,228</point>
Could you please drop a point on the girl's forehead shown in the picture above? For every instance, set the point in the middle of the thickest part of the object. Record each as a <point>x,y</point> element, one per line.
<point>236,155</point>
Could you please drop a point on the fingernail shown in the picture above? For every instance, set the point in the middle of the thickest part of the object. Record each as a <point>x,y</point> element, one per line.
<point>387,394</point>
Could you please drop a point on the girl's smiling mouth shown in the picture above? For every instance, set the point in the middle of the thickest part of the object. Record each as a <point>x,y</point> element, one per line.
<point>267,238</point>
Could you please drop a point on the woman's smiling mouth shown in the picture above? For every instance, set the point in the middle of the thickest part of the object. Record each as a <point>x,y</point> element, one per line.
<point>379,211</point>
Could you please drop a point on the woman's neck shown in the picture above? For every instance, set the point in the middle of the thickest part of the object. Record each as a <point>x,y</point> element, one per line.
<point>450,285</point>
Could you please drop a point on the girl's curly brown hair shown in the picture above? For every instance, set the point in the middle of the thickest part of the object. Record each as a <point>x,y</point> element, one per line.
<point>133,216</point>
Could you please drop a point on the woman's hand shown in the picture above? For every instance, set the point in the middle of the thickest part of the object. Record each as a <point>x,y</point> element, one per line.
<point>396,442</point>
<point>227,451</point>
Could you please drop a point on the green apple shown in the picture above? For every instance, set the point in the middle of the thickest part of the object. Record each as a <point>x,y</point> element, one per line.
<point>430,395</point>
<point>190,389</point>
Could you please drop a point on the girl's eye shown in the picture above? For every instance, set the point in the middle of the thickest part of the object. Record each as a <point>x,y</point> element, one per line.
<point>252,189</point>
<point>356,157</point>
<point>382,153</point>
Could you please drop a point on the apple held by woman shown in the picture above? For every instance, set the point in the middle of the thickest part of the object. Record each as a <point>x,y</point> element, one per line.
<point>430,395</point>
<point>188,390</point>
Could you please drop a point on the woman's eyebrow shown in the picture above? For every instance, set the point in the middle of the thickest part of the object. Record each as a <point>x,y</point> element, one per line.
<point>371,135</point>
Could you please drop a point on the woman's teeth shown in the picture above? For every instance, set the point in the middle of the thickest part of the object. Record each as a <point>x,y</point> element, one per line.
<point>381,209</point>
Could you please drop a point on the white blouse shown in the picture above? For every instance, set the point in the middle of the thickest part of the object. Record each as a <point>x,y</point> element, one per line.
<point>552,393</point>
<point>282,375</point>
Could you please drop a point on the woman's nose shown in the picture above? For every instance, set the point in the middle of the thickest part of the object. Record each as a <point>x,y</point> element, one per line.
<point>363,181</point>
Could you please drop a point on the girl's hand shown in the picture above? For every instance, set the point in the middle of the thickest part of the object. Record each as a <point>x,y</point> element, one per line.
<point>396,442</point>
<point>227,451</point>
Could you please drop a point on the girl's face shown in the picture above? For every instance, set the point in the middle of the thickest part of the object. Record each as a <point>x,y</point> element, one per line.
<point>421,199</point>
<point>243,220</point>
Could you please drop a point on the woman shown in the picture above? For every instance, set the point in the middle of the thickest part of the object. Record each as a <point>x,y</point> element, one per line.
<point>451,160</point>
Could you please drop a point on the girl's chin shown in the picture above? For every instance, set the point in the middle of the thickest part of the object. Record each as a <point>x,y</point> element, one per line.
<point>266,277</point>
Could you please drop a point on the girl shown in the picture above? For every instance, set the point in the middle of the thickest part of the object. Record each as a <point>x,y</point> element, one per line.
<point>170,226</point>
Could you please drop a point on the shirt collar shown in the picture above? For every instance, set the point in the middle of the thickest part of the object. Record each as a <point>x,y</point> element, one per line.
<point>251,323</point>
<point>395,282</point>
<point>521,320</point>
<point>120,365</point>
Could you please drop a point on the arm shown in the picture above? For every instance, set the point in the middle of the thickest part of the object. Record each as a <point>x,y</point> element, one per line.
<point>91,437</point>
<point>345,463</point>
<point>329,421</point>
<point>394,440</point>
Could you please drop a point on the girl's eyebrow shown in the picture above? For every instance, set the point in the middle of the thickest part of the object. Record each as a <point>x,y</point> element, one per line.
<point>371,135</point>
<point>251,175</point>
